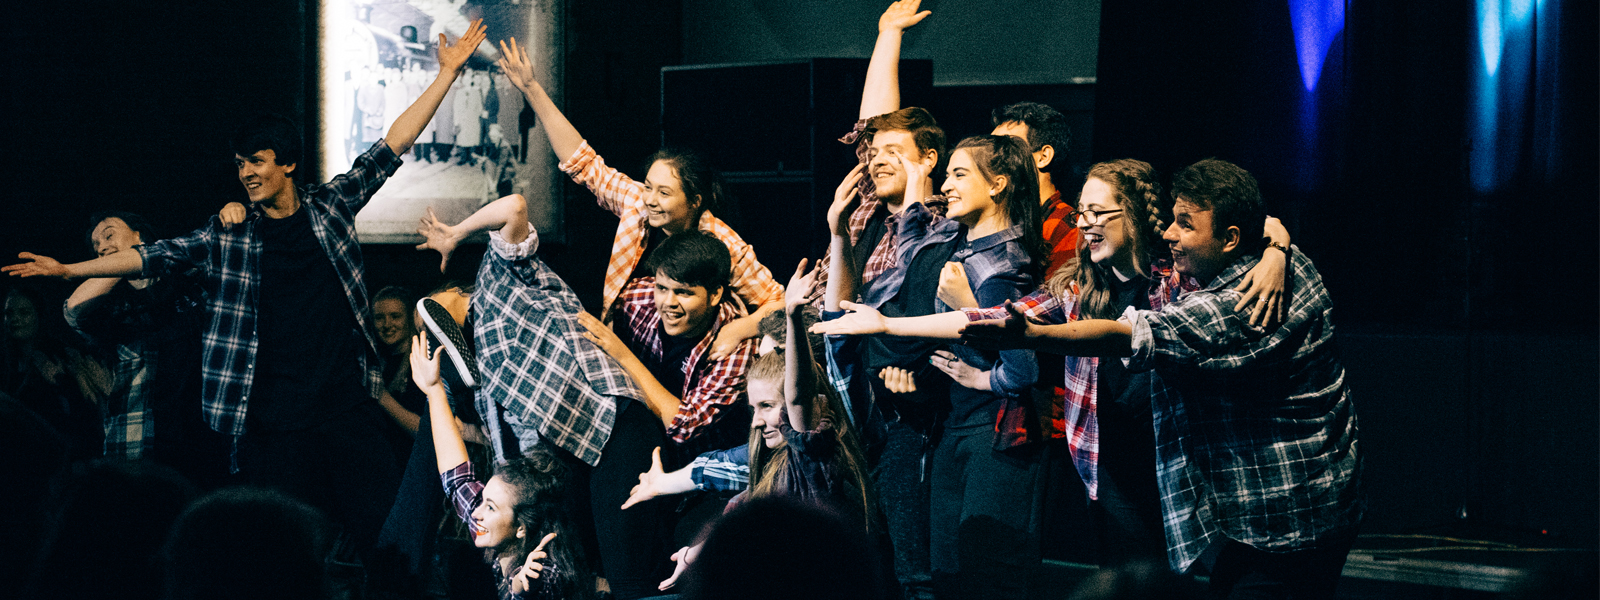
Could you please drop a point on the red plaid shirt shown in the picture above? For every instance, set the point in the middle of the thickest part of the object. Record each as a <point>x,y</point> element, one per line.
<point>708,387</point>
<point>1080,395</point>
<point>624,197</point>
<point>1060,235</point>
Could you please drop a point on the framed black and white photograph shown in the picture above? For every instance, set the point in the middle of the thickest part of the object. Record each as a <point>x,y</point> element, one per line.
<point>377,58</point>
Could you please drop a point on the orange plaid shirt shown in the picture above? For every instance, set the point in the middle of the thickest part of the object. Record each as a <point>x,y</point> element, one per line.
<point>624,197</point>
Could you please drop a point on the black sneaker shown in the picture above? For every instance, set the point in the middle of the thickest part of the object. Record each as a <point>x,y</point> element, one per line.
<point>444,333</point>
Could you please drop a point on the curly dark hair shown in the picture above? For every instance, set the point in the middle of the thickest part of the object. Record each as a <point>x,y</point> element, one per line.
<point>543,486</point>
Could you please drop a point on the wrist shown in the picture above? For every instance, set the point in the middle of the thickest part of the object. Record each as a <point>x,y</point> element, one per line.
<point>1274,245</point>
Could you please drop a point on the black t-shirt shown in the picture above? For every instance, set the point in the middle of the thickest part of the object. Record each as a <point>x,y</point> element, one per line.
<point>1123,405</point>
<point>309,344</point>
<point>674,352</point>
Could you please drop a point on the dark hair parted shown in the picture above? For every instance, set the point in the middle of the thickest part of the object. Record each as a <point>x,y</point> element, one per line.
<point>1230,193</point>
<point>701,185</point>
<point>693,258</point>
<point>1008,156</point>
<point>1138,193</point>
<point>269,132</point>
<point>914,120</point>
<point>543,485</point>
<point>134,222</point>
<point>399,293</point>
<point>776,325</point>
<point>1046,127</point>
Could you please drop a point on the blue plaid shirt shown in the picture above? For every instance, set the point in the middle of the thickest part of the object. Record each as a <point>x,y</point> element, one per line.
<point>540,373</point>
<point>228,260</point>
<point>1256,437</point>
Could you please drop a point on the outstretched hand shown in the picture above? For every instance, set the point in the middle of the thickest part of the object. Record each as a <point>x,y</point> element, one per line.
<point>683,557</point>
<point>1014,331</point>
<point>452,58</point>
<point>861,320</point>
<point>437,236</point>
<point>838,220</point>
<point>515,62</point>
<point>37,266</point>
<point>648,487</point>
<point>902,15</point>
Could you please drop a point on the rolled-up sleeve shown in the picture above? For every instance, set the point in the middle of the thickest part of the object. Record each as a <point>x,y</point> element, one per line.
<point>179,254</point>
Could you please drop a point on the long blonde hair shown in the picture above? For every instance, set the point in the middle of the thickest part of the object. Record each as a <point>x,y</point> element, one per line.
<point>1138,192</point>
<point>769,466</point>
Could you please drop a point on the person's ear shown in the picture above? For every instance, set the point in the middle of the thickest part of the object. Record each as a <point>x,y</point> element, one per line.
<point>997,185</point>
<point>522,532</point>
<point>1044,157</point>
<point>289,168</point>
<point>716,297</point>
<point>930,158</point>
<point>1231,239</point>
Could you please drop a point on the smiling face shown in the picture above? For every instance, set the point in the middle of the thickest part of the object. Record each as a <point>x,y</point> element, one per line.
<point>767,409</point>
<point>686,310</point>
<point>1196,249</point>
<point>263,177</point>
<point>494,520</point>
<point>883,162</point>
<point>1109,241</point>
<point>112,235</point>
<point>971,196</point>
<point>394,321</point>
<point>666,206</point>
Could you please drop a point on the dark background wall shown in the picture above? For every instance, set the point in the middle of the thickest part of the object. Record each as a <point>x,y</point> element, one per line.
<point>1468,318</point>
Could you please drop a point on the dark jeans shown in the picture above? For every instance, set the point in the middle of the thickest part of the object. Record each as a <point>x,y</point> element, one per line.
<point>903,496</point>
<point>1127,514</point>
<point>985,516</point>
<point>633,543</point>
<point>1245,573</point>
<point>343,466</point>
<point>410,533</point>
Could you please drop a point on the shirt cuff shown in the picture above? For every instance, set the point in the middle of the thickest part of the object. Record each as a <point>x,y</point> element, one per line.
<point>384,157</point>
<point>580,158</point>
<point>1143,340</point>
<point>510,251</point>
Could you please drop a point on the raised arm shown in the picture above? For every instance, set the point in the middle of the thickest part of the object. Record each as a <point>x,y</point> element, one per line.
<point>449,450</point>
<point>799,370</point>
<point>881,93</point>
<point>410,124</point>
<point>564,138</point>
<point>842,276</point>
<point>509,215</point>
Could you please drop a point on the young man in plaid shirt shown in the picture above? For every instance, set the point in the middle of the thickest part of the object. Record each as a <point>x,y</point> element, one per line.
<point>1256,436</point>
<point>287,266</point>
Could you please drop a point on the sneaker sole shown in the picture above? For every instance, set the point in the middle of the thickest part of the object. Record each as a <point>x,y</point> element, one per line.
<point>449,338</point>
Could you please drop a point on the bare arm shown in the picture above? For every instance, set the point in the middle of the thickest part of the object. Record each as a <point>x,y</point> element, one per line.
<point>799,374</point>
<point>881,93</point>
<point>121,264</point>
<point>508,214</point>
<point>564,138</point>
<point>841,271</point>
<point>448,448</point>
<point>865,320</point>
<point>410,124</point>
<point>1092,337</point>
<point>656,396</point>
<point>90,292</point>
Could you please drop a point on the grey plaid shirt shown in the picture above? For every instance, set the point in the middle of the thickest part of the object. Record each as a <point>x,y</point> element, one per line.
<point>1256,437</point>
<point>538,370</point>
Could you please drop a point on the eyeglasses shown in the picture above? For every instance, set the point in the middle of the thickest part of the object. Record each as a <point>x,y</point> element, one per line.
<point>1090,217</point>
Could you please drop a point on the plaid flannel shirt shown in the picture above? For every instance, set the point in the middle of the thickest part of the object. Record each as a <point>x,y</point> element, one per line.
<point>721,470</point>
<point>1256,434</point>
<point>553,383</point>
<point>228,259</point>
<point>129,431</point>
<point>885,255</point>
<point>708,386</point>
<point>624,197</point>
<point>1060,236</point>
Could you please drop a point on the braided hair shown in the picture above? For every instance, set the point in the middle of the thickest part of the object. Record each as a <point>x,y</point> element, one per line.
<point>1146,211</point>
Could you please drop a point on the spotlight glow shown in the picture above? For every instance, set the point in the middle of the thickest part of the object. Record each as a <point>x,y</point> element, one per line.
<point>1316,24</point>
